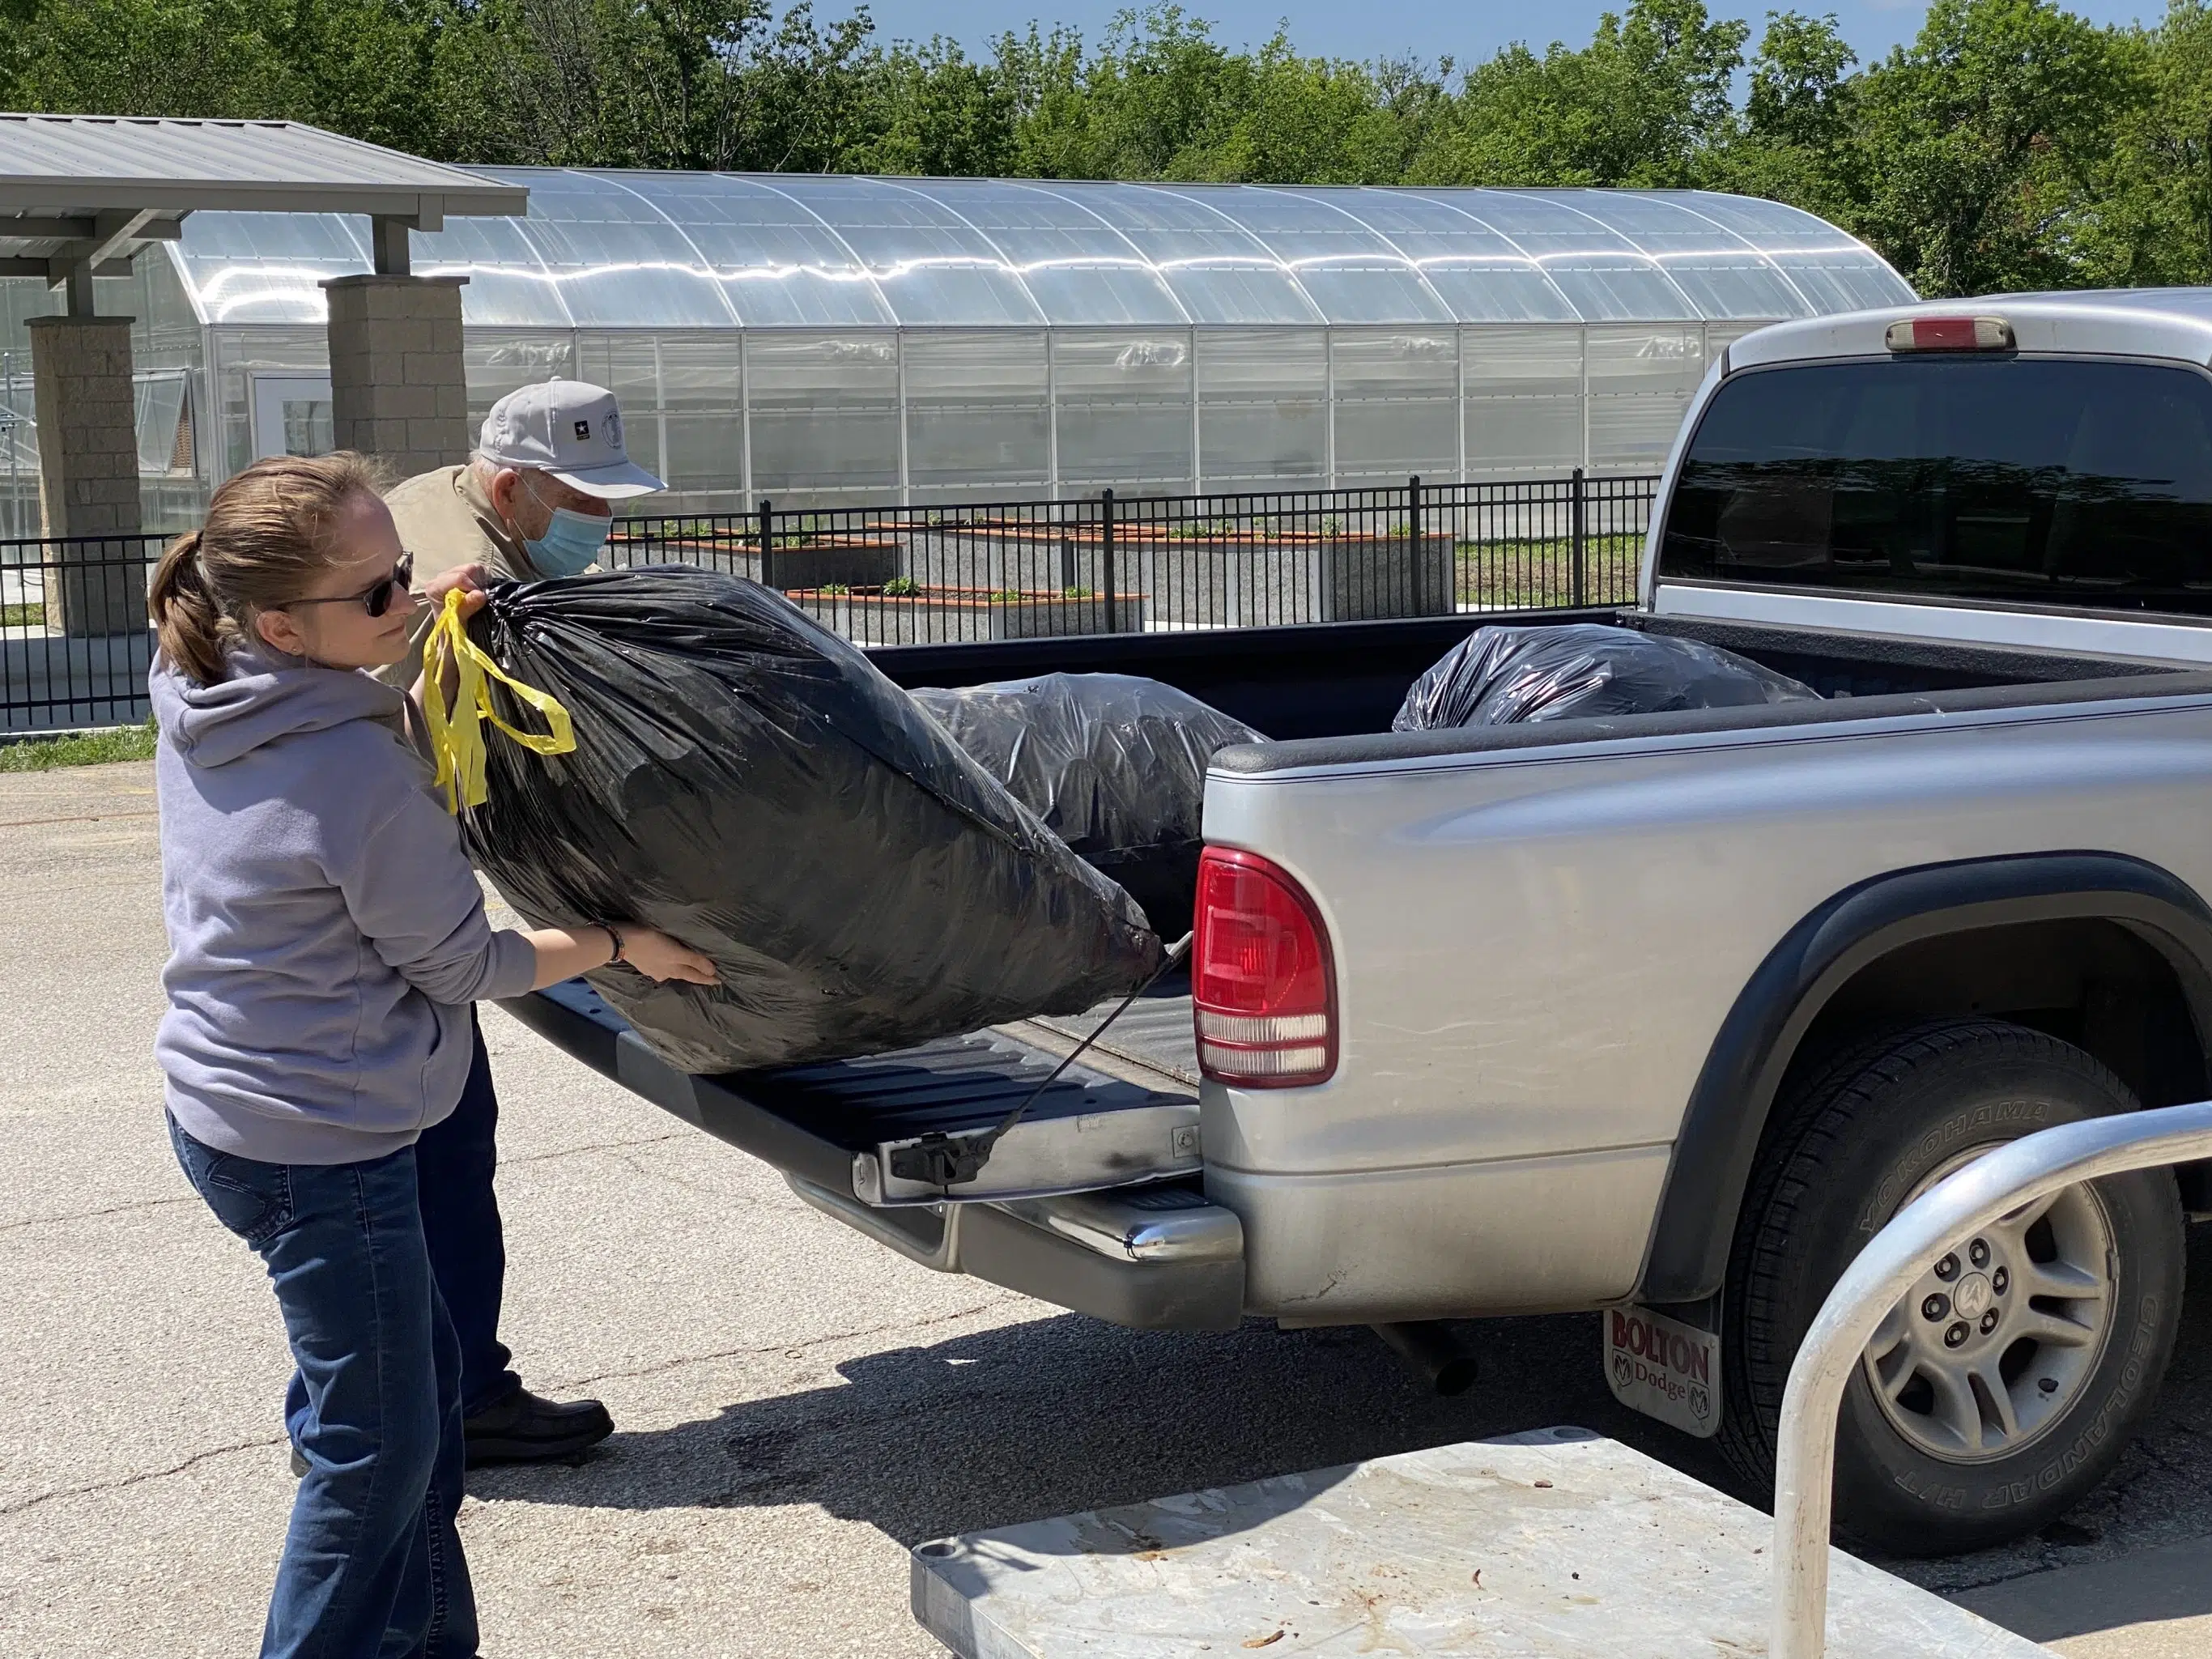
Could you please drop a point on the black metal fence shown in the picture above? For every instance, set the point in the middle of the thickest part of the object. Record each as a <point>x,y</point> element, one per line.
<point>904,576</point>
<point>74,643</point>
<point>75,649</point>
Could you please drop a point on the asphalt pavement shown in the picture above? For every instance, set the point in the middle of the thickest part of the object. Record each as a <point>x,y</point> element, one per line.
<point>795,1407</point>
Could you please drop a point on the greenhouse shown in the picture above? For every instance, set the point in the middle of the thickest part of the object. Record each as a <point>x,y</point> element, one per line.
<point>834,340</point>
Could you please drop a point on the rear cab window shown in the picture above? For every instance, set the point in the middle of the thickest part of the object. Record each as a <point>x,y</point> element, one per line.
<point>2085,482</point>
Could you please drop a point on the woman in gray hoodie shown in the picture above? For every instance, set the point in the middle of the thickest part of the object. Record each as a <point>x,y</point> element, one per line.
<point>327,937</point>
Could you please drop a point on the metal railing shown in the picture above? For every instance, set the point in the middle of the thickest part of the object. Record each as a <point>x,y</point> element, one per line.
<point>901,575</point>
<point>74,643</point>
<point>1886,1270</point>
<point>74,647</point>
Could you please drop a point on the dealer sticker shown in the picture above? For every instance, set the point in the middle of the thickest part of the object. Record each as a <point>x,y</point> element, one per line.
<point>1664,1369</point>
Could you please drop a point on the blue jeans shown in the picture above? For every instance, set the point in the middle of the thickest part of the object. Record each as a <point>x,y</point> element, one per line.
<point>455,1162</point>
<point>372,1566</point>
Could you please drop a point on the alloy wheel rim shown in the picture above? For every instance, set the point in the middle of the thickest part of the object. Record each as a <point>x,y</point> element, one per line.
<point>1998,1338</point>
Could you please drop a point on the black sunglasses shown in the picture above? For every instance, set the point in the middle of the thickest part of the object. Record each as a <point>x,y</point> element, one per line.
<point>375,598</point>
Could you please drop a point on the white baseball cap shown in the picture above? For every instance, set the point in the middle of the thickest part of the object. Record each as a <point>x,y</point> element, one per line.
<point>571,430</point>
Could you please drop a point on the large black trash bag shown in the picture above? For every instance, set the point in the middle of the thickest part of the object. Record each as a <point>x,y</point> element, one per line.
<point>1115,765</point>
<point>749,782</point>
<point>1504,676</point>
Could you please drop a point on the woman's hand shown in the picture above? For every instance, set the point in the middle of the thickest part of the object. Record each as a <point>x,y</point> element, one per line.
<point>468,578</point>
<point>563,953</point>
<point>658,957</point>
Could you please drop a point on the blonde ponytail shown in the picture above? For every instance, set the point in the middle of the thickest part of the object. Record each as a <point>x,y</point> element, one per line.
<point>269,531</point>
<point>190,625</point>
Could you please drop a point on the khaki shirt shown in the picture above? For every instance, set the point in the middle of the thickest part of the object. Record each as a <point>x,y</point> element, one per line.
<point>446,521</point>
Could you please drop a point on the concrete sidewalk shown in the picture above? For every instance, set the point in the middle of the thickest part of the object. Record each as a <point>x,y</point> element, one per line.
<point>795,1406</point>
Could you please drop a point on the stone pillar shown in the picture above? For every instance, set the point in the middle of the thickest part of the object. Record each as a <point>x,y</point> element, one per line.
<point>396,386</point>
<point>88,472</point>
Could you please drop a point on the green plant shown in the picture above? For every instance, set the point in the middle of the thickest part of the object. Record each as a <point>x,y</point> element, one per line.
<point>838,590</point>
<point>124,743</point>
<point>23,615</point>
<point>902,588</point>
<point>1006,596</point>
<point>1078,593</point>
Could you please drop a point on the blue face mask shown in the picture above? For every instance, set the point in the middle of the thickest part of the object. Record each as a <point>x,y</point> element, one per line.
<point>570,542</point>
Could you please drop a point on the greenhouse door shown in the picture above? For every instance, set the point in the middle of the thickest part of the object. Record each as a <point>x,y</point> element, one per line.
<point>292,415</point>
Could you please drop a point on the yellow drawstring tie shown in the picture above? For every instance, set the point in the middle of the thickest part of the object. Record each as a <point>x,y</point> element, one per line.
<point>456,735</point>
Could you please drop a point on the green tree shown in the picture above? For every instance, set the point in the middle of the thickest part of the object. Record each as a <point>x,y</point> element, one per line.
<point>1638,106</point>
<point>943,115</point>
<point>2153,203</point>
<point>1794,142</point>
<point>1982,142</point>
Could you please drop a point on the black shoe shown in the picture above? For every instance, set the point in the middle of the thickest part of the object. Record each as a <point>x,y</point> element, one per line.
<point>525,1429</point>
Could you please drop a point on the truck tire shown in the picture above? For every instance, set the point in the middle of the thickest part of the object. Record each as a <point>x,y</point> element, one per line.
<point>2003,1388</point>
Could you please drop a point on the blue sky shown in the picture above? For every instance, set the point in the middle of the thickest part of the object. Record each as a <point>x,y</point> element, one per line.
<point>1425,28</point>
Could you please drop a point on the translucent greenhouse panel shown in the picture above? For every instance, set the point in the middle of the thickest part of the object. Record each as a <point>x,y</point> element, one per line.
<point>499,361</point>
<point>702,420</point>
<point>777,264</point>
<point>978,424</point>
<point>1262,407</point>
<point>266,267</point>
<point>160,309</point>
<point>825,415</point>
<point>1077,268</point>
<point>1372,292</point>
<point>929,265</point>
<point>1503,293</point>
<point>19,442</point>
<point>1233,294</point>
<point>1523,388</point>
<point>626,364</point>
<point>615,260</point>
<point>508,285</point>
<point>1641,381</point>
<point>1771,226</point>
<point>1346,269</point>
<point>1219,272</point>
<point>1123,411</point>
<point>239,357</point>
<point>1397,405</point>
<point>1605,288</point>
<point>1719,335</point>
<point>1846,280</point>
<point>1741,286</point>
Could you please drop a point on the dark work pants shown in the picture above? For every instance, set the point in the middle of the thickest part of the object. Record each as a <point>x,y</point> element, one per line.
<point>454,1167</point>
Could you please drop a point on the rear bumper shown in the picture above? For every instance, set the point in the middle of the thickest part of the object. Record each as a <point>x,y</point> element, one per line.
<point>1155,1255</point>
<point>1115,1255</point>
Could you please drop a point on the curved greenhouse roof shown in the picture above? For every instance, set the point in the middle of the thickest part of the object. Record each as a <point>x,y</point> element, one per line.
<point>716,251</point>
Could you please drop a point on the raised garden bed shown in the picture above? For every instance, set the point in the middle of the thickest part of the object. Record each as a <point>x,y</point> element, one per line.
<point>1225,578</point>
<point>827,561</point>
<point>962,614</point>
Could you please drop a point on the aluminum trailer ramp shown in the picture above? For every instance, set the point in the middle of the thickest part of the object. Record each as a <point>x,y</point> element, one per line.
<point>1540,1546</point>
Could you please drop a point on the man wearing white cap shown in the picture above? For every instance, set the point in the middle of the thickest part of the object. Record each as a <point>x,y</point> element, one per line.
<point>536,499</point>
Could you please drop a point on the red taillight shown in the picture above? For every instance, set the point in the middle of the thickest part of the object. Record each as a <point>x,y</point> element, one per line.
<point>1949,334</point>
<point>1261,983</point>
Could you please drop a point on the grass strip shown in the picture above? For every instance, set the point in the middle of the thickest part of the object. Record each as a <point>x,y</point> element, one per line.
<point>124,742</point>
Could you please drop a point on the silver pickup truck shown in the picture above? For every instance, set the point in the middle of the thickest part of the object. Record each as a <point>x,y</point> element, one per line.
<point>1664,1015</point>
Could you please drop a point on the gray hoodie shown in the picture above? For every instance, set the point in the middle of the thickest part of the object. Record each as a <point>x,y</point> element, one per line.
<point>327,934</point>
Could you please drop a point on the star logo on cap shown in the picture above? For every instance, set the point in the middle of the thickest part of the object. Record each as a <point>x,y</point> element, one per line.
<point>583,430</point>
